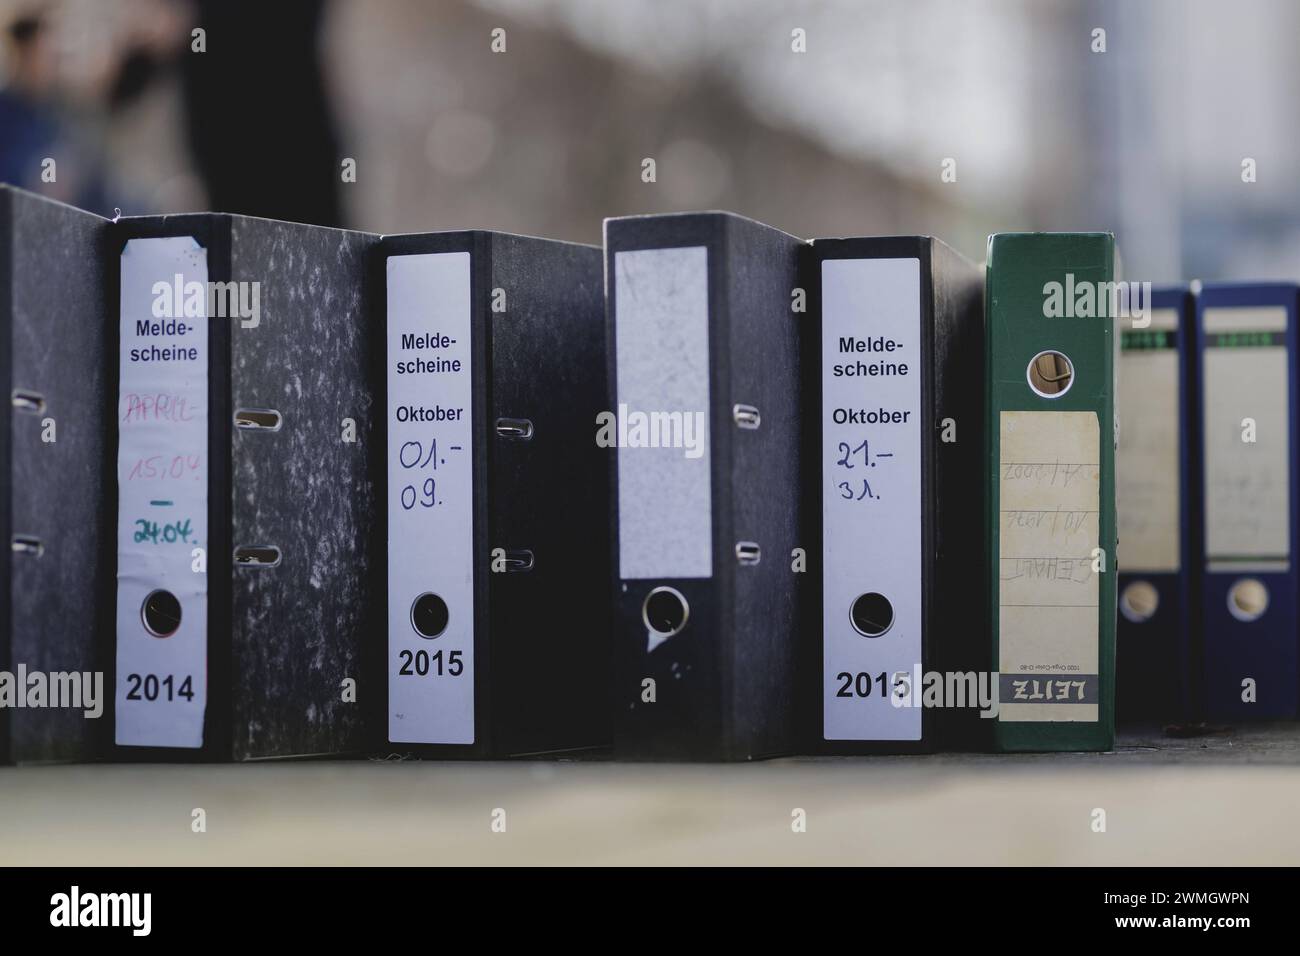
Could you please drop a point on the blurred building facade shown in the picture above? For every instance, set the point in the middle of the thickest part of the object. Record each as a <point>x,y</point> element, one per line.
<point>1043,129</point>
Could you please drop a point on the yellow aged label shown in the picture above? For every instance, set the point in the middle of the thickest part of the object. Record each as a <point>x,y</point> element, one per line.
<point>1049,500</point>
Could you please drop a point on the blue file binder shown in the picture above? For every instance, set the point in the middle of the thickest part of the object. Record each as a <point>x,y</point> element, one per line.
<point>1155,497</point>
<point>1246,352</point>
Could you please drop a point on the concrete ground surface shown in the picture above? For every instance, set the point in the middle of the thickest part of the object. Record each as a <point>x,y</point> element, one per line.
<point>1228,798</point>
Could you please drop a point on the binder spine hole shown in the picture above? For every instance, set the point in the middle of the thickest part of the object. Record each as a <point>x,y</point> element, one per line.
<point>665,611</point>
<point>31,402</point>
<point>748,553</point>
<point>27,544</point>
<point>1139,601</point>
<point>520,559</point>
<point>1050,374</point>
<point>1248,599</point>
<point>429,615</point>
<point>746,416</point>
<point>515,429</point>
<point>161,613</point>
<point>260,419</point>
<point>871,614</point>
<point>259,556</point>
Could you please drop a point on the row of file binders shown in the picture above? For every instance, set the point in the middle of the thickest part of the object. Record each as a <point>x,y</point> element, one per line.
<point>710,492</point>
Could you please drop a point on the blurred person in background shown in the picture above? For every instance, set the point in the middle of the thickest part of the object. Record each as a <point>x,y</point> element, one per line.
<point>67,77</point>
<point>29,128</point>
<point>260,126</point>
<point>254,112</point>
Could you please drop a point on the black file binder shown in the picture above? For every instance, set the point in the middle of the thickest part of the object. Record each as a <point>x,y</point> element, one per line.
<point>246,456</point>
<point>496,557</point>
<point>901,657</point>
<point>55,329</point>
<point>710,548</point>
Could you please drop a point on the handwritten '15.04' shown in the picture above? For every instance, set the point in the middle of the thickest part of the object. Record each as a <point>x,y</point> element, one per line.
<point>164,468</point>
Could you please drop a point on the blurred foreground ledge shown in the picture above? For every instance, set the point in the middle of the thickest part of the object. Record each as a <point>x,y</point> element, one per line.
<point>1223,799</point>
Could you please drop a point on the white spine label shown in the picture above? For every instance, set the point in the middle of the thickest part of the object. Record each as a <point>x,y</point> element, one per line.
<point>871,494</point>
<point>430,500</point>
<point>1245,369</point>
<point>1147,467</point>
<point>661,333</point>
<point>162,483</point>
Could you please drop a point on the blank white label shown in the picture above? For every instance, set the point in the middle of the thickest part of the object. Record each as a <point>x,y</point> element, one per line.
<point>430,499</point>
<point>162,484</point>
<point>871,494</point>
<point>1247,482</point>
<point>1147,470</point>
<point>661,331</point>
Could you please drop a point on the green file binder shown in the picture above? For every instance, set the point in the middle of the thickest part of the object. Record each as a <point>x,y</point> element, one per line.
<point>1050,472</point>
